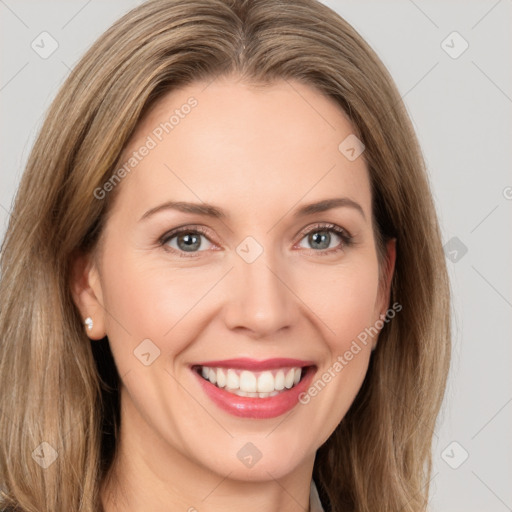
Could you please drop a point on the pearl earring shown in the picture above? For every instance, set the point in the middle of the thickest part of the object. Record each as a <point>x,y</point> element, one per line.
<point>88,323</point>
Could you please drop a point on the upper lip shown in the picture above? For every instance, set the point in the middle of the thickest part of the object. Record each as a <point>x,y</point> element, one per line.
<point>246,363</point>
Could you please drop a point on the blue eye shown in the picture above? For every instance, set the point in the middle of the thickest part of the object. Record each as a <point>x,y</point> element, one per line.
<point>321,236</point>
<point>187,241</point>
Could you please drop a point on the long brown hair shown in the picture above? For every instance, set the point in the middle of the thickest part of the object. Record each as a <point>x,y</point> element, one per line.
<point>58,388</point>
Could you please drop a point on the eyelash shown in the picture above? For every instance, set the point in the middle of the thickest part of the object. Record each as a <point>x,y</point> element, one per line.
<point>347,239</point>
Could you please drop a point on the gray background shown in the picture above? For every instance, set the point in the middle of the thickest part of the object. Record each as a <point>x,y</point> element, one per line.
<point>461,108</point>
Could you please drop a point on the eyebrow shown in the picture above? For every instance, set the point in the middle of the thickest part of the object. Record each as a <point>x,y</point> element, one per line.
<point>215,212</point>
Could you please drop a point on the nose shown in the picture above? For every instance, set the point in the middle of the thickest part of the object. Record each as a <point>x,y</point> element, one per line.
<point>260,299</point>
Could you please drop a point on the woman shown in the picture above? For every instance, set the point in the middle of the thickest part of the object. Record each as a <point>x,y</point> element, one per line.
<point>223,284</point>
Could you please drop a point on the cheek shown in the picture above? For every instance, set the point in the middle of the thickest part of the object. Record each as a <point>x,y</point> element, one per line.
<point>151,301</point>
<point>154,301</point>
<point>344,299</point>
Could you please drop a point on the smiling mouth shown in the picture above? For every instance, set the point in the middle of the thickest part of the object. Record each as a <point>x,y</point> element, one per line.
<point>246,383</point>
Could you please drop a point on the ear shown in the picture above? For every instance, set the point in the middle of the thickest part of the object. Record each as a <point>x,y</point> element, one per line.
<point>388,271</point>
<point>87,293</point>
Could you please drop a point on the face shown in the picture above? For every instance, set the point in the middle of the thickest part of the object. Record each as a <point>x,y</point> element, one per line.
<point>232,315</point>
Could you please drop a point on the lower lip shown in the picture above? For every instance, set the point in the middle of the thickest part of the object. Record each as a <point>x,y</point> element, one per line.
<point>258,408</point>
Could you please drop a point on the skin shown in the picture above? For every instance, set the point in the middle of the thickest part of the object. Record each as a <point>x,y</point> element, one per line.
<point>259,154</point>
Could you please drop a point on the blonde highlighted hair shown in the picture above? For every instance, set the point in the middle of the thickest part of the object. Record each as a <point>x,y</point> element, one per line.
<point>58,388</point>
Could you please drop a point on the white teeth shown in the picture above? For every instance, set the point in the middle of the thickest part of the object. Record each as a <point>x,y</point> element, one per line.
<point>247,382</point>
<point>253,384</point>
<point>252,395</point>
<point>221,378</point>
<point>279,380</point>
<point>288,380</point>
<point>266,382</point>
<point>232,380</point>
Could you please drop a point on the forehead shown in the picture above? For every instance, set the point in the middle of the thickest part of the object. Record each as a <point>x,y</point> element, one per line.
<point>253,147</point>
